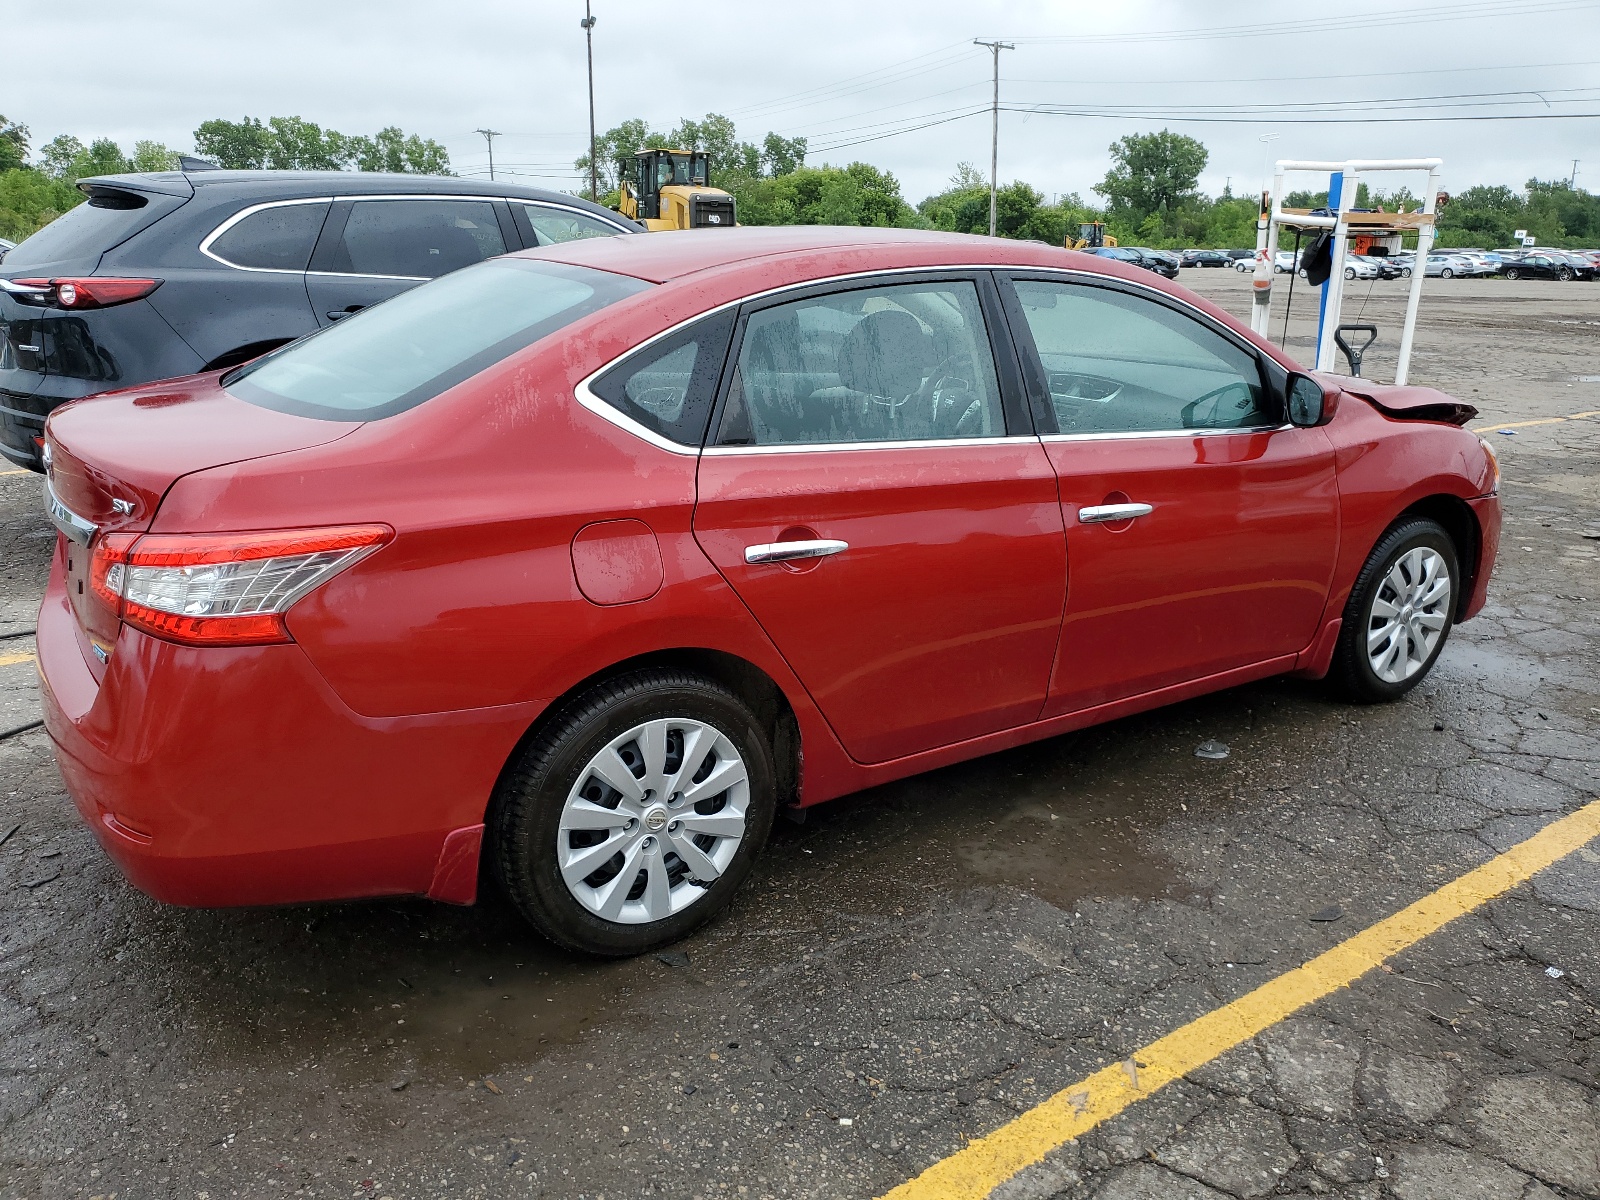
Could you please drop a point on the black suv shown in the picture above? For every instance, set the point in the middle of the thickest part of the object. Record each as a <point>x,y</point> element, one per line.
<point>173,274</point>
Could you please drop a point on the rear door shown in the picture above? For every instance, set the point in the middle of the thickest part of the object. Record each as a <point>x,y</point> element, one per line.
<point>376,247</point>
<point>542,224</point>
<point>1201,529</point>
<point>877,497</point>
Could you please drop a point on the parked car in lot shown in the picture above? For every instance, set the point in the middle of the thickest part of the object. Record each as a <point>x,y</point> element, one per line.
<point>1538,266</point>
<point>1245,263</point>
<point>670,533</point>
<point>1287,260</point>
<point>163,275</point>
<point>1139,256</point>
<point>1358,267</point>
<point>1206,258</point>
<point>5,246</point>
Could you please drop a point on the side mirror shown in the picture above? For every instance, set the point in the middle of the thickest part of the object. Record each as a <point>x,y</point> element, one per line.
<point>1308,404</point>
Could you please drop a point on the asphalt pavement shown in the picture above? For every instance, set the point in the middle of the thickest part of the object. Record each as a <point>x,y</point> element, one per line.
<point>917,965</point>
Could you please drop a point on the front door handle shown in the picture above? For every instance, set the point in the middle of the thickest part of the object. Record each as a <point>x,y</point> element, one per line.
<point>339,314</point>
<point>777,552</point>
<point>1101,514</point>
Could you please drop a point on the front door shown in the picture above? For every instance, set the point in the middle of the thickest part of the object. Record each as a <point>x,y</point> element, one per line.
<point>866,499</point>
<point>1201,530</point>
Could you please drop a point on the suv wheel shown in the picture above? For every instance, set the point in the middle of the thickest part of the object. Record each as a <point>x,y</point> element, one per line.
<point>636,815</point>
<point>1399,613</point>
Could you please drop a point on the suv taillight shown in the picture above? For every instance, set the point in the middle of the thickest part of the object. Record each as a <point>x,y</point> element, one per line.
<point>99,292</point>
<point>221,589</point>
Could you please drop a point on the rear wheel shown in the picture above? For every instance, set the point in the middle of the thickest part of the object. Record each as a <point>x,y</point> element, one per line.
<point>1513,273</point>
<point>1405,272</point>
<point>1447,273</point>
<point>636,815</point>
<point>1399,613</point>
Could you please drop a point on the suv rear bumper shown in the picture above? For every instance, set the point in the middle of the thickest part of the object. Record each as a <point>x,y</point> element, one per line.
<point>234,776</point>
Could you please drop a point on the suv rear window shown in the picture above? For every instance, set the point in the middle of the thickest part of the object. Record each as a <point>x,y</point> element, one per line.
<point>83,234</point>
<point>397,354</point>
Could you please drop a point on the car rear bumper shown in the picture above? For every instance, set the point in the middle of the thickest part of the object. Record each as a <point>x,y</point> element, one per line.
<point>234,776</point>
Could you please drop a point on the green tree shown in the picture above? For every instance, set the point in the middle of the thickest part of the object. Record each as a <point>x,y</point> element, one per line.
<point>236,145</point>
<point>152,157</point>
<point>103,157</point>
<point>391,150</point>
<point>31,199</point>
<point>58,155</point>
<point>13,144</point>
<point>782,156</point>
<point>1152,173</point>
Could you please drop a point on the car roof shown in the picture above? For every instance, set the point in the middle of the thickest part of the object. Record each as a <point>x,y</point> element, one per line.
<point>671,255</point>
<point>295,185</point>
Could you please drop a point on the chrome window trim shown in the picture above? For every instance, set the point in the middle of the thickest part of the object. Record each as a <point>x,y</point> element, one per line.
<point>587,398</point>
<point>205,245</point>
<point>206,242</point>
<point>1145,434</point>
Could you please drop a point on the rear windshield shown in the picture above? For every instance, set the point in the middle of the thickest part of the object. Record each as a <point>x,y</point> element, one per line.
<point>84,233</point>
<point>407,350</point>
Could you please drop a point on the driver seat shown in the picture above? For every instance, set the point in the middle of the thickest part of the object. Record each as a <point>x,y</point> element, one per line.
<point>885,358</point>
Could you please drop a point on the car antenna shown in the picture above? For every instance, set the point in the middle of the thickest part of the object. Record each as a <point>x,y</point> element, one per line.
<point>188,162</point>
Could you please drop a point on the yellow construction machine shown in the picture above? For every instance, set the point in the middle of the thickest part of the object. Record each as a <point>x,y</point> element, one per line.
<point>1091,235</point>
<point>666,189</point>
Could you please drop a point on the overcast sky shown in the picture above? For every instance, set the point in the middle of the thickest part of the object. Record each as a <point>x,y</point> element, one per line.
<point>835,71</point>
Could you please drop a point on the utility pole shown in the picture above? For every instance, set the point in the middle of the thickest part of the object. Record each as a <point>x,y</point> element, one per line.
<point>594,168</point>
<point>489,136</point>
<point>994,149</point>
<point>1573,181</point>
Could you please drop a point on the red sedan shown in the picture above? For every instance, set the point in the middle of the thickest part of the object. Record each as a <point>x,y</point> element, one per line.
<point>576,565</point>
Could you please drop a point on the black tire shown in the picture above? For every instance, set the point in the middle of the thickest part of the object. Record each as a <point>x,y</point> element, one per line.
<point>1513,273</point>
<point>1349,272</point>
<point>1564,275</point>
<point>524,823</point>
<point>1352,672</point>
<point>1405,272</point>
<point>1447,273</point>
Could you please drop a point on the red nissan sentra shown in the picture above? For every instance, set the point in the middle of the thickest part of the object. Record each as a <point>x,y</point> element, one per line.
<point>577,564</point>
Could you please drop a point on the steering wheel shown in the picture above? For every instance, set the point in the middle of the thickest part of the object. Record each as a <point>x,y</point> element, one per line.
<point>1245,403</point>
<point>932,399</point>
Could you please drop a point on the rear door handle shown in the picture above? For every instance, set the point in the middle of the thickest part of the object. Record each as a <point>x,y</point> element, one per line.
<point>339,314</point>
<point>777,552</point>
<point>1100,514</point>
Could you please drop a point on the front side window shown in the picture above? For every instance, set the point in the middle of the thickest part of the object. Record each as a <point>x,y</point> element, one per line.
<point>1117,363</point>
<point>886,364</point>
<point>395,355</point>
<point>416,239</point>
<point>552,225</point>
<point>279,238</point>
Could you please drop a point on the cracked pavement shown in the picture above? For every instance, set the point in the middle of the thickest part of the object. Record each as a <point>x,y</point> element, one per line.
<point>918,964</point>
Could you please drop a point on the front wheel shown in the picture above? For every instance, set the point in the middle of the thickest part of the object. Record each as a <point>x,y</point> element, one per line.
<point>1399,613</point>
<point>1564,275</point>
<point>636,815</point>
<point>1349,272</point>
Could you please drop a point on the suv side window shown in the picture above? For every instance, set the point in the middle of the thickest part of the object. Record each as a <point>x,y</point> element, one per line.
<point>550,224</point>
<point>277,238</point>
<point>1119,363</point>
<point>416,239</point>
<point>669,387</point>
<point>910,362</point>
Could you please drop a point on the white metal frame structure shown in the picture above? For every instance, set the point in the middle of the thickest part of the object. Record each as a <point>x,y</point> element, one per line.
<point>1343,223</point>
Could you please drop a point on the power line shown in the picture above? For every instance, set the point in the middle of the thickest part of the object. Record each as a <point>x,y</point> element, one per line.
<point>1177,118</point>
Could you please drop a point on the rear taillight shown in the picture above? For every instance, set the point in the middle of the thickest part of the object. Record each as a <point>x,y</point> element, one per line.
<point>221,589</point>
<point>90,293</point>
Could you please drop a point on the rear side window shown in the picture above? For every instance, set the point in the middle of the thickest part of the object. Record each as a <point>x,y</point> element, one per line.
<point>669,387</point>
<point>416,239</point>
<point>84,233</point>
<point>279,238</point>
<point>551,225</point>
<point>397,354</point>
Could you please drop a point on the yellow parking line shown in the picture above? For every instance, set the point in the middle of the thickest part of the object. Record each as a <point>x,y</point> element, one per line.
<point>1545,421</point>
<point>11,660</point>
<point>19,471</point>
<point>986,1162</point>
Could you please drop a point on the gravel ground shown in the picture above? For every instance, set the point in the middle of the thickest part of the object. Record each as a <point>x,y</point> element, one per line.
<point>917,964</point>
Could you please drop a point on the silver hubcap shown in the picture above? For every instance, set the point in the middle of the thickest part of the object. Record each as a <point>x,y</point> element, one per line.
<point>654,819</point>
<point>1409,614</point>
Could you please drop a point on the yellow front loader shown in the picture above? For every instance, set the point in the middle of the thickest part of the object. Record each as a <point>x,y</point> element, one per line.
<point>666,189</point>
<point>1091,236</point>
